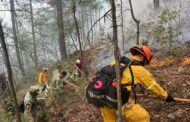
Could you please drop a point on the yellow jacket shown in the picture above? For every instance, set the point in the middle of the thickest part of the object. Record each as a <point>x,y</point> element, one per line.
<point>42,78</point>
<point>143,77</point>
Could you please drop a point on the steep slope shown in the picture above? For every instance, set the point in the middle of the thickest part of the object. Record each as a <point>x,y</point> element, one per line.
<point>171,72</point>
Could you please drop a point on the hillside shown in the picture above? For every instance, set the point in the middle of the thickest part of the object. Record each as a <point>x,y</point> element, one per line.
<point>171,72</point>
<point>50,51</point>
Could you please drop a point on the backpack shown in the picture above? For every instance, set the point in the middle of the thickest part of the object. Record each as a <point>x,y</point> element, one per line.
<point>102,90</point>
<point>21,107</point>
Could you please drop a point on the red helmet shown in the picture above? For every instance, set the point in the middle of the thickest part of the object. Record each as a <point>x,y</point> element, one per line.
<point>144,51</point>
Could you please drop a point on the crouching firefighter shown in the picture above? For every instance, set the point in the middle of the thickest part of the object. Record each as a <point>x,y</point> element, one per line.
<point>30,103</point>
<point>102,91</point>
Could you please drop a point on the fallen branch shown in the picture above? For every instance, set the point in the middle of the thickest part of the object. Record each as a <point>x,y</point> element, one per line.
<point>71,84</point>
<point>155,97</point>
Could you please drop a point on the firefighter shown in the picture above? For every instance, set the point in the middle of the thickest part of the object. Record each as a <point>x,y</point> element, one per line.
<point>132,111</point>
<point>30,103</point>
<point>43,81</point>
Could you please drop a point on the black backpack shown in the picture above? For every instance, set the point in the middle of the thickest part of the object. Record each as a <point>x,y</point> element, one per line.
<point>102,90</point>
<point>21,107</point>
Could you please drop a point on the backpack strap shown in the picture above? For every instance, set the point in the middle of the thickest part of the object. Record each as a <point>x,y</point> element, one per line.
<point>128,63</point>
<point>133,84</point>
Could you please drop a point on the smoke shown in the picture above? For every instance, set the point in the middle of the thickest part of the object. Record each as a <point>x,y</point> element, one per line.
<point>144,11</point>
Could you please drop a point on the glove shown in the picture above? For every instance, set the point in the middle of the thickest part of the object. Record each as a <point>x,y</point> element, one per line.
<point>170,99</point>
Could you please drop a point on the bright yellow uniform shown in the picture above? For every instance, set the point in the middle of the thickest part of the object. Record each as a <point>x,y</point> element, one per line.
<point>42,78</point>
<point>134,112</point>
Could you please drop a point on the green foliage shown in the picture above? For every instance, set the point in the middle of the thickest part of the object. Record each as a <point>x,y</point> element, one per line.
<point>7,108</point>
<point>164,32</point>
<point>5,116</point>
<point>7,102</point>
<point>42,116</point>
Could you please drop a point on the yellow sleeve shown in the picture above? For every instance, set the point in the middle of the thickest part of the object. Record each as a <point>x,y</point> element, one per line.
<point>44,78</point>
<point>146,79</point>
<point>40,79</point>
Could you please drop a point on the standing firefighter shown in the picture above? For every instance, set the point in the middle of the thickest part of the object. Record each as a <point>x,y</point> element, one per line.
<point>78,67</point>
<point>43,79</point>
<point>133,73</point>
<point>30,103</point>
<point>56,76</point>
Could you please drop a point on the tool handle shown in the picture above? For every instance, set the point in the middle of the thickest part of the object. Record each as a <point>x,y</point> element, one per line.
<point>155,97</point>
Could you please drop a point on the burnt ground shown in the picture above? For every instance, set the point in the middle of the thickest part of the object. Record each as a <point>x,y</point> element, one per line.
<point>172,73</point>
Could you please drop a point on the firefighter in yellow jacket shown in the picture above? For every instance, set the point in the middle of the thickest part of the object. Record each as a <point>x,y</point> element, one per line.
<point>134,112</point>
<point>43,81</point>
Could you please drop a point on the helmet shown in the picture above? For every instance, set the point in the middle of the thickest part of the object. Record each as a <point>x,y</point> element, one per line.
<point>34,89</point>
<point>45,69</point>
<point>142,50</point>
<point>78,61</point>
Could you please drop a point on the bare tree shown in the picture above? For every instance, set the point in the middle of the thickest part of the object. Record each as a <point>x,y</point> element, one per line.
<point>60,24</point>
<point>33,35</point>
<point>117,56</point>
<point>12,7</point>
<point>136,21</point>
<point>9,71</point>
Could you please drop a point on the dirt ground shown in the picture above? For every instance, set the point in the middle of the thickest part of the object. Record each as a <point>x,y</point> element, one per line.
<point>172,73</point>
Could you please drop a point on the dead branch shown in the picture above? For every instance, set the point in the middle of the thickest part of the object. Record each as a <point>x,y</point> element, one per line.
<point>136,21</point>
<point>96,23</point>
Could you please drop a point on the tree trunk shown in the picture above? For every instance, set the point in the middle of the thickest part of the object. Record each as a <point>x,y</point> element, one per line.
<point>117,56</point>
<point>122,28</point>
<point>77,27</point>
<point>136,21</point>
<point>62,44</point>
<point>9,71</point>
<point>156,4</point>
<point>33,35</point>
<point>73,41</point>
<point>12,7</point>
<point>78,32</point>
<point>92,36</point>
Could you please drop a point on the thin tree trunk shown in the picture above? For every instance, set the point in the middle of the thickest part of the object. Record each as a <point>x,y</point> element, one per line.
<point>179,27</point>
<point>78,33</point>
<point>136,21</point>
<point>156,4</point>
<point>88,33</point>
<point>62,44</point>
<point>117,56</point>
<point>20,50</point>
<point>15,38</point>
<point>73,41</point>
<point>122,28</point>
<point>96,22</point>
<point>92,36</point>
<point>33,35</point>
<point>9,71</point>
<point>77,27</point>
